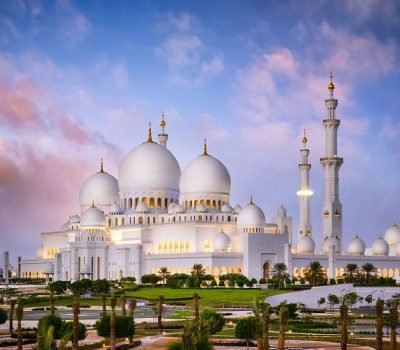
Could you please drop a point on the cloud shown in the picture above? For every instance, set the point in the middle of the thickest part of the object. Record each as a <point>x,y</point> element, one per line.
<point>181,50</point>
<point>120,75</point>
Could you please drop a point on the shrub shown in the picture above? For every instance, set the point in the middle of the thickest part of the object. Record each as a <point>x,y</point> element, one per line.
<point>50,321</point>
<point>204,284</point>
<point>262,281</point>
<point>68,328</point>
<point>196,283</point>
<point>125,326</point>
<point>100,286</point>
<point>213,283</point>
<point>231,283</point>
<point>190,282</point>
<point>3,316</point>
<point>58,287</point>
<point>240,283</point>
<point>332,281</point>
<point>215,322</point>
<point>131,287</point>
<point>221,283</point>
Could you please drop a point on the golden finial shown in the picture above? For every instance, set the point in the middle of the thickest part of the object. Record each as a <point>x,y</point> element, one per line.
<point>251,200</point>
<point>304,137</point>
<point>149,137</point>
<point>101,166</point>
<point>331,85</point>
<point>162,123</point>
<point>93,204</point>
<point>205,148</point>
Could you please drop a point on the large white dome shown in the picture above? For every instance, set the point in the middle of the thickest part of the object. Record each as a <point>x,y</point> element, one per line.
<point>329,241</point>
<point>102,188</point>
<point>205,175</point>
<point>221,242</point>
<point>251,215</point>
<point>392,235</point>
<point>356,246</point>
<point>149,167</point>
<point>380,247</point>
<point>93,217</point>
<point>306,245</point>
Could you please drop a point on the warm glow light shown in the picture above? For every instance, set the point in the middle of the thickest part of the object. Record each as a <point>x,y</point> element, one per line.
<point>305,193</point>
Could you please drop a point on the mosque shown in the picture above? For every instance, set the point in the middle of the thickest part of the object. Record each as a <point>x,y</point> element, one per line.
<point>155,215</point>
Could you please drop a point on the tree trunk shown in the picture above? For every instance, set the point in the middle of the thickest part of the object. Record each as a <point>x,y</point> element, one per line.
<point>283,318</point>
<point>113,323</point>
<point>103,305</point>
<point>159,313</point>
<point>122,301</point>
<point>52,309</point>
<point>379,324</point>
<point>266,328</point>
<point>344,313</point>
<point>75,339</point>
<point>132,307</point>
<point>196,305</point>
<point>11,316</point>
<point>394,320</point>
<point>20,313</point>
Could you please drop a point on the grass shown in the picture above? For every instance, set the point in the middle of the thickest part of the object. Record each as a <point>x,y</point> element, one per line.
<point>217,297</point>
<point>64,302</point>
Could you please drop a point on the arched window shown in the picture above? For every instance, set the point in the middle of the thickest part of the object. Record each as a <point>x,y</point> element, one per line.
<point>229,219</point>
<point>140,220</point>
<point>123,221</point>
<point>223,270</point>
<point>125,203</point>
<point>214,204</point>
<point>148,220</point>
<point>136,202</point>
<point>187,247</point>
<point>109,222</point>
<point>116,221</point>
<point>202,201</point>
<point>130,202</point>
<point>162,220</point>
<point>158,202</point>
<point>191,204</point>
<point>219,204</point>
<point>152,202</point>
<point>144,200</point>
<point>166,203</point>
<point>154,220</point>
<point>195,204</point>
<point>208,203</point>
<point>216,271</point>
<point>200,218</point>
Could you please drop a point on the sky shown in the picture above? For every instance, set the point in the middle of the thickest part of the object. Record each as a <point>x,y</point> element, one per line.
<point>81,80</point>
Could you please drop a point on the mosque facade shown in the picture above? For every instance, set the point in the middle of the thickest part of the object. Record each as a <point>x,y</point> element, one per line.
<point>155,215</point>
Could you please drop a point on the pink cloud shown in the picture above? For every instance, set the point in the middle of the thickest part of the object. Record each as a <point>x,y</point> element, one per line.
<point>71,131</point>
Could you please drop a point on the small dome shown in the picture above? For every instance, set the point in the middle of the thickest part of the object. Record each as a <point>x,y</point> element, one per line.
<point>114,209</point>
<point>178,209</point>
<point>281,211</point>
<point>201,208</point>
<point>392,235</point>
<point>237,209</point>
<point>398,249</point>
<point>251,215</point>
<point>221,242</point>
<point>380,247</point>
<point>39,252</point>
<point>85,269</point>
<point>356,246</point>
<point>306,245</point>
<point>64,226</point>
<point>142,207</point>
<point>93,217</point>
<point>102,188</point>
<point>171,208</point>
<point>329,241</point>
<point>76,219</point>
<point>226,208</point>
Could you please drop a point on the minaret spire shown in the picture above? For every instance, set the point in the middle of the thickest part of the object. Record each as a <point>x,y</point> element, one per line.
<point>163,137</point>
<point>205,153</point>
<point>149,135</point>
<point>101,166</point>
<point>331,163</point>
<point>304,193</point>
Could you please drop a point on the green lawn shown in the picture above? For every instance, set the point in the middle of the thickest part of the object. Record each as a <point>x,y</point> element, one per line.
<point>208,297</point>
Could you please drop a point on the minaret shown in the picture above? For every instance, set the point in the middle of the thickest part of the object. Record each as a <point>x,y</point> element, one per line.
<point>163,137</point>
<point>331,208</point>
<point>304,193</point>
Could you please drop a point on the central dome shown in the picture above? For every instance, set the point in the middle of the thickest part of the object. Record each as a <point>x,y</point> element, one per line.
<point>148,167</point>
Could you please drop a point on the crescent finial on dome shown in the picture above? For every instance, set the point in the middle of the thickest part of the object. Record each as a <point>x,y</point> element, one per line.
<point>101,166</point>
<point>205,153</point>
<point>93,206</point>
<point>331,85</point>
<point>251,200</point>
<point>304,137</point>
<point>149,136</point>
<point>162,122</point>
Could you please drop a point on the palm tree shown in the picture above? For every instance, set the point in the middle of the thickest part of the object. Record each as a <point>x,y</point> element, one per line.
<point>12,303</point>
<point>122,301</point>
<point>369,272</point>
<point>52,309</point>
<point>198,270</point>
<point>351,273</point>
<point>160,309</point>
<point>379,324</point>
<point>394,320</point>
<point>196,305</point>
<point>113,322</point>
<point>132,306</point>
<point>279,274</point>
<point>262,313</point>
<point>75,311</point>
<point>315,273</point>
<point>20,313</point>
<point>103,304</point>
<point>283,321</point>
<point>163,273</point>
<point>344,313</point>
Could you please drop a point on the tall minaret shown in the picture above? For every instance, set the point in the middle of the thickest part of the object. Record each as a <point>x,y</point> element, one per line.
<point>304,193</point>
<point>163,137</point>
<point>331,208</point>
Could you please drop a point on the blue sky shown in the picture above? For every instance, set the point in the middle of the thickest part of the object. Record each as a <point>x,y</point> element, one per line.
<point>81,80</point>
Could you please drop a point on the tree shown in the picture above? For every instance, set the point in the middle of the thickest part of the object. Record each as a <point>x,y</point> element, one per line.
<point>20,313</point>
<point>369,272</point>
<point>279,274</point>
<point>351,299</point>
<point>132,306</point>
<point>81,287</point>
<point>283,321</point>
<point>213,322</point>
<point>394,321</point>
<point>113,303</point>
<point>368,298</point>
<point>351,273</point>
<point>379,324</point>
<point>50,321</point>
<point>196,298</point>
<point>58,287</point>
<point>100,287</point>
<point>160,310</point>
<point>3,316</point>
<point>246,329</point>
<point>163,273</point>
<point>12,303</point>
<point>198,271</point>
<point>333,300</point>
<point>344,315</point>
<point>124,326</point>
<point>262,312</point>
<point>122,302</point>
<point>315,273</point>
<point>75,311</point>
<point>52,308</point>
<point>103,304</point>
<point>321,301</point>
